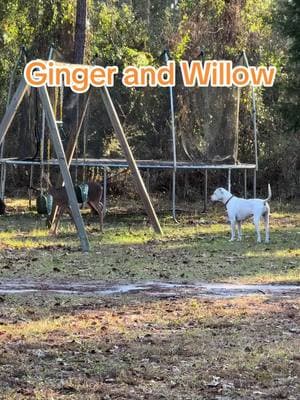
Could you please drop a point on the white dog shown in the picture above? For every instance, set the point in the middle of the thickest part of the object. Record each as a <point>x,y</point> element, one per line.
<point>240,209</point>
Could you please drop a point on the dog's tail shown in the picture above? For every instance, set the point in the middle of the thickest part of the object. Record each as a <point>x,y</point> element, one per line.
<point>269,194</point>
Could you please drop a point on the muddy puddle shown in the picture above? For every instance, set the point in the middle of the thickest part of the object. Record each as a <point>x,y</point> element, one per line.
<point>150,289</point>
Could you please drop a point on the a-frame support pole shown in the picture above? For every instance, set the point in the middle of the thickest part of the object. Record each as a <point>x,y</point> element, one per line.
<point>113,116</point>
<point>12,109</point>
<point>71,149</point>
<point>61,157</point>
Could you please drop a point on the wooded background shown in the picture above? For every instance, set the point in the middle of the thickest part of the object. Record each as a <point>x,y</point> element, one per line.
<point>136,32</point>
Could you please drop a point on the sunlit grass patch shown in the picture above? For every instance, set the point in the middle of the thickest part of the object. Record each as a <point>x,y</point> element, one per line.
<point>31,239</point>
<point>283,253</point>
<point>16,203</point>
<point>130,320</point>
<point>288,276</point>
<point>126,237</point>
<point>197,249</point>
<point>86,347</point>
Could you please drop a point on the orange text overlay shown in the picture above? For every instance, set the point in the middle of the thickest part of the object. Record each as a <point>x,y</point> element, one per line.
<point>214,73</point>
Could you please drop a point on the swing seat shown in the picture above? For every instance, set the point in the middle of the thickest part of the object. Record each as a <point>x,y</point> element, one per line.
<point>44,203</point>
<point>82,192</point>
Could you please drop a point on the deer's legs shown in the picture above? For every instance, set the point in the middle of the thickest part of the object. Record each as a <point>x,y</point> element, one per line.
<point>98,207</point>
<point>60,212</point>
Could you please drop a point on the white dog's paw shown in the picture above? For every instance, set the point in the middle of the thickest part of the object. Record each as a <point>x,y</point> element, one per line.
<point>231,239</point>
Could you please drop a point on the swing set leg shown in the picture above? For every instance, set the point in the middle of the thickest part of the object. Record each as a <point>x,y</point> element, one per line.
<point>58,147</point>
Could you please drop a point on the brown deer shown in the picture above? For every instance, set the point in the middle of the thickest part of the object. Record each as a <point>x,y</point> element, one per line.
<point>94,200</point>
<point>61,201</point>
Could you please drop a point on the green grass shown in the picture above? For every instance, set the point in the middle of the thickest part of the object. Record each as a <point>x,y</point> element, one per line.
<point>196,249</point>
<point>58,347</point>
<point>133,347</point>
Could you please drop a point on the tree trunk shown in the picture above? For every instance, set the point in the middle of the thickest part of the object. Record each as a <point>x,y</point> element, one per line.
<point>72,116</point>
<point>80,32</point>
<point>142,9</point>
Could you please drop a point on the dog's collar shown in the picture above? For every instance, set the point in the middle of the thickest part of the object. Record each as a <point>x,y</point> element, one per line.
<point>228,200</point>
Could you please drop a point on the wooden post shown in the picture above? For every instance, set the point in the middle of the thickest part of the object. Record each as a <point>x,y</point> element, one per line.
<point>130,159</point>
<point>58,147</point>
<point>245,183</point>
<point>71,147</point>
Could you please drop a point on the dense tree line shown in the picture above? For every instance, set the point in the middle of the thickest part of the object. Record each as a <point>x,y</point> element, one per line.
<point>136,32</point>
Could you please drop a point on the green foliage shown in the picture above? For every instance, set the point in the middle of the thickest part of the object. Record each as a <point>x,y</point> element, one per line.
<point>136,32</point>
<point>34,25</point>
<point>288,22</point>
<point>118,38</point>
<point>289,14</point>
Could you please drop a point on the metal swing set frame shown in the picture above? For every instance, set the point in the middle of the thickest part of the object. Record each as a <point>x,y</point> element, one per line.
<point>65,158</point>
<point>61,156</point>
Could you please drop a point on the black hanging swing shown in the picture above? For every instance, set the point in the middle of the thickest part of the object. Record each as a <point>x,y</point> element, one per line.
<point>82,192</point>
<point>44,201</point>
<point>44,204</point>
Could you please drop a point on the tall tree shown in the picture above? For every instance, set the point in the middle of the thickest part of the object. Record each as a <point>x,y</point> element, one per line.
<point>289,23</point>
<point>291,26</point>
<point>80,31</point>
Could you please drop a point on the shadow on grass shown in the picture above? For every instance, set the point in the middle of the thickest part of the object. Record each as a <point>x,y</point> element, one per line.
<point>205,348</point>
<point>196,250</point>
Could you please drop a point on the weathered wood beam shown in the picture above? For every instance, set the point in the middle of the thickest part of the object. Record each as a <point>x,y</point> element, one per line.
<point>61,157</point>
<point>113,116</point>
